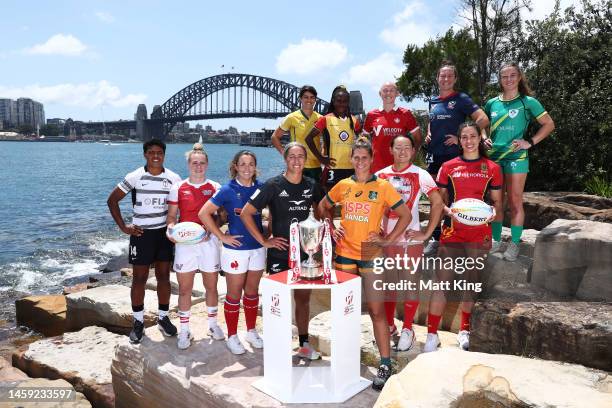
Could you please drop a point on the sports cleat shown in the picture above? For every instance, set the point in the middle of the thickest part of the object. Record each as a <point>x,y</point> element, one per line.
<point>495,247</point>
<point>512,251</point>
<point>166,327</point>
<point>406,340</point>
<point>235,346</point>
<point>431,343</point>
<point>137,332</point>
<point>252,337</point>
<point>216,332</point>
<point>306,351</point>
<point>431,248</point>
<point>463,338</point>
<point>384,372</point>
<point>184,340</point>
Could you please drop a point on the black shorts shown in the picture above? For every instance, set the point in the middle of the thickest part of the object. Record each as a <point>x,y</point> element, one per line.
<point>332,176</point>
<point>275,265</point>
<point>313,173</point>
<point>151,246</point>
<point>435,162</point>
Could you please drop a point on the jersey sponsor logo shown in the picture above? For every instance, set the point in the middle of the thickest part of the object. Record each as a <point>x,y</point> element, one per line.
<point>283,194</point>
<point>356,211</point>
<point>297,202</point>
<point>512,113</point>
<point>493,114</point>
<point>372,195</point>
<point>155,201</point>
<point>299,208</point>
<point>467,174</point>
<point>343,136</point>
<point>377,129</point>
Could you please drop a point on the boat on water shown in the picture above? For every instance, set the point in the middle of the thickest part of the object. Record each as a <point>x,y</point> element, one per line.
<point>44,138</point>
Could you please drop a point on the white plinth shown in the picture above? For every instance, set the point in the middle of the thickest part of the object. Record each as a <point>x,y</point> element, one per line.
<point>334,383</point>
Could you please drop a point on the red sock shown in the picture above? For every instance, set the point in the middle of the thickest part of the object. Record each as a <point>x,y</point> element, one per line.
<point>410,309</point>
<point>433,322</point>
<point>465,320</point>
<point>231,309</point>
<point>390,312</point>
<point>250,304</point>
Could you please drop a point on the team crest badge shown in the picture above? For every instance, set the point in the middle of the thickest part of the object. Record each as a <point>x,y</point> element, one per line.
<point>396,120</point>
<point>512,113</point>
<point>451,104</point>
<point>483,168</point>
<point>372,195</point>
<point>343,136</point>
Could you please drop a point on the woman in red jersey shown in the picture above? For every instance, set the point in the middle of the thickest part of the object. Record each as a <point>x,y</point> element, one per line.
<point>471,175</point>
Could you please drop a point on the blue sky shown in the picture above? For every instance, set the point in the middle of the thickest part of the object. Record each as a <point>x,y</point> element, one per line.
<point>95,60</point>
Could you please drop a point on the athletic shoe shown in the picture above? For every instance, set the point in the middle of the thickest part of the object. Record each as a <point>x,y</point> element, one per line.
<point>406,340</point>
<point>216,332</point>
<point>512,252</point>
<point>384,372</point>
<point>234,344</point>
<point>431,248</point>
<point>431,343</point>
<point>393,331</point>
<point>463,338</point>
<point>495,247</point>
<point>306,351</point>
<point>166,327</point>
<point>184,340</point>
<point>254,340</point>
<point>137,332</point>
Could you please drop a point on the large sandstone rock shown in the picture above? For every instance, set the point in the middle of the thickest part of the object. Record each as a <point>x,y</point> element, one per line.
<point>46,314</point>
<point>576,332</point>
<point>10,373</point>
<point>157,374</point>
<point>110,307</point>
<point>78,400</point>
<point>82,358</point>
<point>574,259</point>
<point>454,378</point>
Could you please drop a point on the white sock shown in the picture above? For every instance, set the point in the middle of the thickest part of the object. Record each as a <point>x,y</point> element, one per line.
<point>184,318</point>
<point>139,316</point>
<point>212,315</point>
<point>162,313</point>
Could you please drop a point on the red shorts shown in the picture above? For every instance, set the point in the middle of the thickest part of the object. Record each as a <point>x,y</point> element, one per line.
<point>480,235</point>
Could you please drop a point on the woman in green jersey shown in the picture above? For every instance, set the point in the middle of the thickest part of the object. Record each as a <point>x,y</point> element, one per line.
<point>510,114</point>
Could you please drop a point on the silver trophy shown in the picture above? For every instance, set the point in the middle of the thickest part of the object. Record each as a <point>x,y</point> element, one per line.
<point>311,235</point>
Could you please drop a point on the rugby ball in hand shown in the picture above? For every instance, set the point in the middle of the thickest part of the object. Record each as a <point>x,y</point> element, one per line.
<point>187,233</point>
<point>470,211</point>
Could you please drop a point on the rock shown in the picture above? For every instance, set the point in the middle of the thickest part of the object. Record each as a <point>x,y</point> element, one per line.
<point>110,307</point>
<point>45,314</point>
<point>115,264</point>
<point>156,374</point>
<point>454,378</point>
<point>602,216</point>
<point>575,332</point>
<point>82,358</point>
<point>10,373</point>
<point>198,290</point>
<point>127,272</point>
<point>79,287</point>
<point>574,259</point>
<point>319,331</point>
<point>77,400</point>
<point>106,277</point>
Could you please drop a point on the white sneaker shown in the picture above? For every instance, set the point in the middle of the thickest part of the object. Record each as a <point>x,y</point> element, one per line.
<point>431,248</point>
<point>431,343</point>
<point>215,332</point>
<point>306,351</point>
<point>235,346</point>
<point>184,340</point>
<point>254,340</point>
<point>463,338</point>
<point>495,247</point>
<point>406,340</point>
<point>511,253</point>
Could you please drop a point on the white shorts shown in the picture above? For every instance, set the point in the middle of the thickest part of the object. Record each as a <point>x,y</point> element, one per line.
<point>241,261</point>
<point>203,256</point>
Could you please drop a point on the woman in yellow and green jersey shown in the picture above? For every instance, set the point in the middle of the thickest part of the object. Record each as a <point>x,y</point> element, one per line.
<point>339,128</point>
<point>298,124</point>
<point>364,198</point>
<point>510,115</point>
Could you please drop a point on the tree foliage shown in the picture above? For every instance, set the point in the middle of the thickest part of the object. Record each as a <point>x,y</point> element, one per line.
<point>49,130</point>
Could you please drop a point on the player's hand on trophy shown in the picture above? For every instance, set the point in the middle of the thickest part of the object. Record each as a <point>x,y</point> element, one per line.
<point>276,242</point>
<point>338,233</point>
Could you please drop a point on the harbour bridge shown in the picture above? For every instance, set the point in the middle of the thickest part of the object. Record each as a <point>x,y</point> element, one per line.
<point>221,96</point>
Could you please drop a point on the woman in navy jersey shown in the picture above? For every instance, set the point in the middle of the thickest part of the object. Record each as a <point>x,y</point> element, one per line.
<point>243,259</point>
<point>447,111</point>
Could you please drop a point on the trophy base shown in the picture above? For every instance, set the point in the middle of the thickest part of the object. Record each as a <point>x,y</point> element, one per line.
<point>311,273</point>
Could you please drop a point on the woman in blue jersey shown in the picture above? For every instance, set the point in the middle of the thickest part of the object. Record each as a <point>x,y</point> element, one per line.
<point>510,114</point>
<point>243,259</point>
<point>447,111</point>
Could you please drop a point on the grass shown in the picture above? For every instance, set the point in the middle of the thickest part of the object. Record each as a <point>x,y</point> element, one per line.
<point>600,186</point>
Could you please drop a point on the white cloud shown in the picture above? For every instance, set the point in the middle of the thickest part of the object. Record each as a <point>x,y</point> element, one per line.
<point>310,56</point>
<point>88,95</point>
<point>412,25</point>
<point>105,17</point>
<point>59,44</point>
<point>375,72</point>
<point>543,8</point>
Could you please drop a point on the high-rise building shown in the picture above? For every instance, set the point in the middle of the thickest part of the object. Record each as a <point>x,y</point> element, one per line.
<point>8,113</point>
<point>30,112</point>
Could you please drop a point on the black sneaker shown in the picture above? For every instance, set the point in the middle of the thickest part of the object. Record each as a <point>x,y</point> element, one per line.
<point>384,372</point>
<point>166,327</point>
<point>137,332</point>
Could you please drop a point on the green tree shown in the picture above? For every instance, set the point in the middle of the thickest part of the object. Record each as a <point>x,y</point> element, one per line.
<point>49,130</point>
<point>25,129</point>
<point>419,77</point>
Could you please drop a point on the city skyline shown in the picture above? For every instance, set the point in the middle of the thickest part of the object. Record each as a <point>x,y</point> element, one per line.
<point>97,61</point>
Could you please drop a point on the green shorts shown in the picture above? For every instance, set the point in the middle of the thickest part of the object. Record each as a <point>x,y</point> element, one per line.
<point>509,166</point>
<point>314,173</point>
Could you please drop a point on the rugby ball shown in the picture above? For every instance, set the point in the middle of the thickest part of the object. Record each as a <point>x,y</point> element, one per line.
<point>187,233</point>
<point>470,211</point>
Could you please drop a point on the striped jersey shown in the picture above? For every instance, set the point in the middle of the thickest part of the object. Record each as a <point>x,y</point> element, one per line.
<point>149,196</point>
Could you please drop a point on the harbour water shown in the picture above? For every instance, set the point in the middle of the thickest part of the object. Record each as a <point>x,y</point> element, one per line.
<point>55,222</point>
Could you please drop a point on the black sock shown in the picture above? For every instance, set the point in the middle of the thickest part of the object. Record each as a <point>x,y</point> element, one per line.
<point>137,308</point>
<point>165,307</point>
<point>303,339</point>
